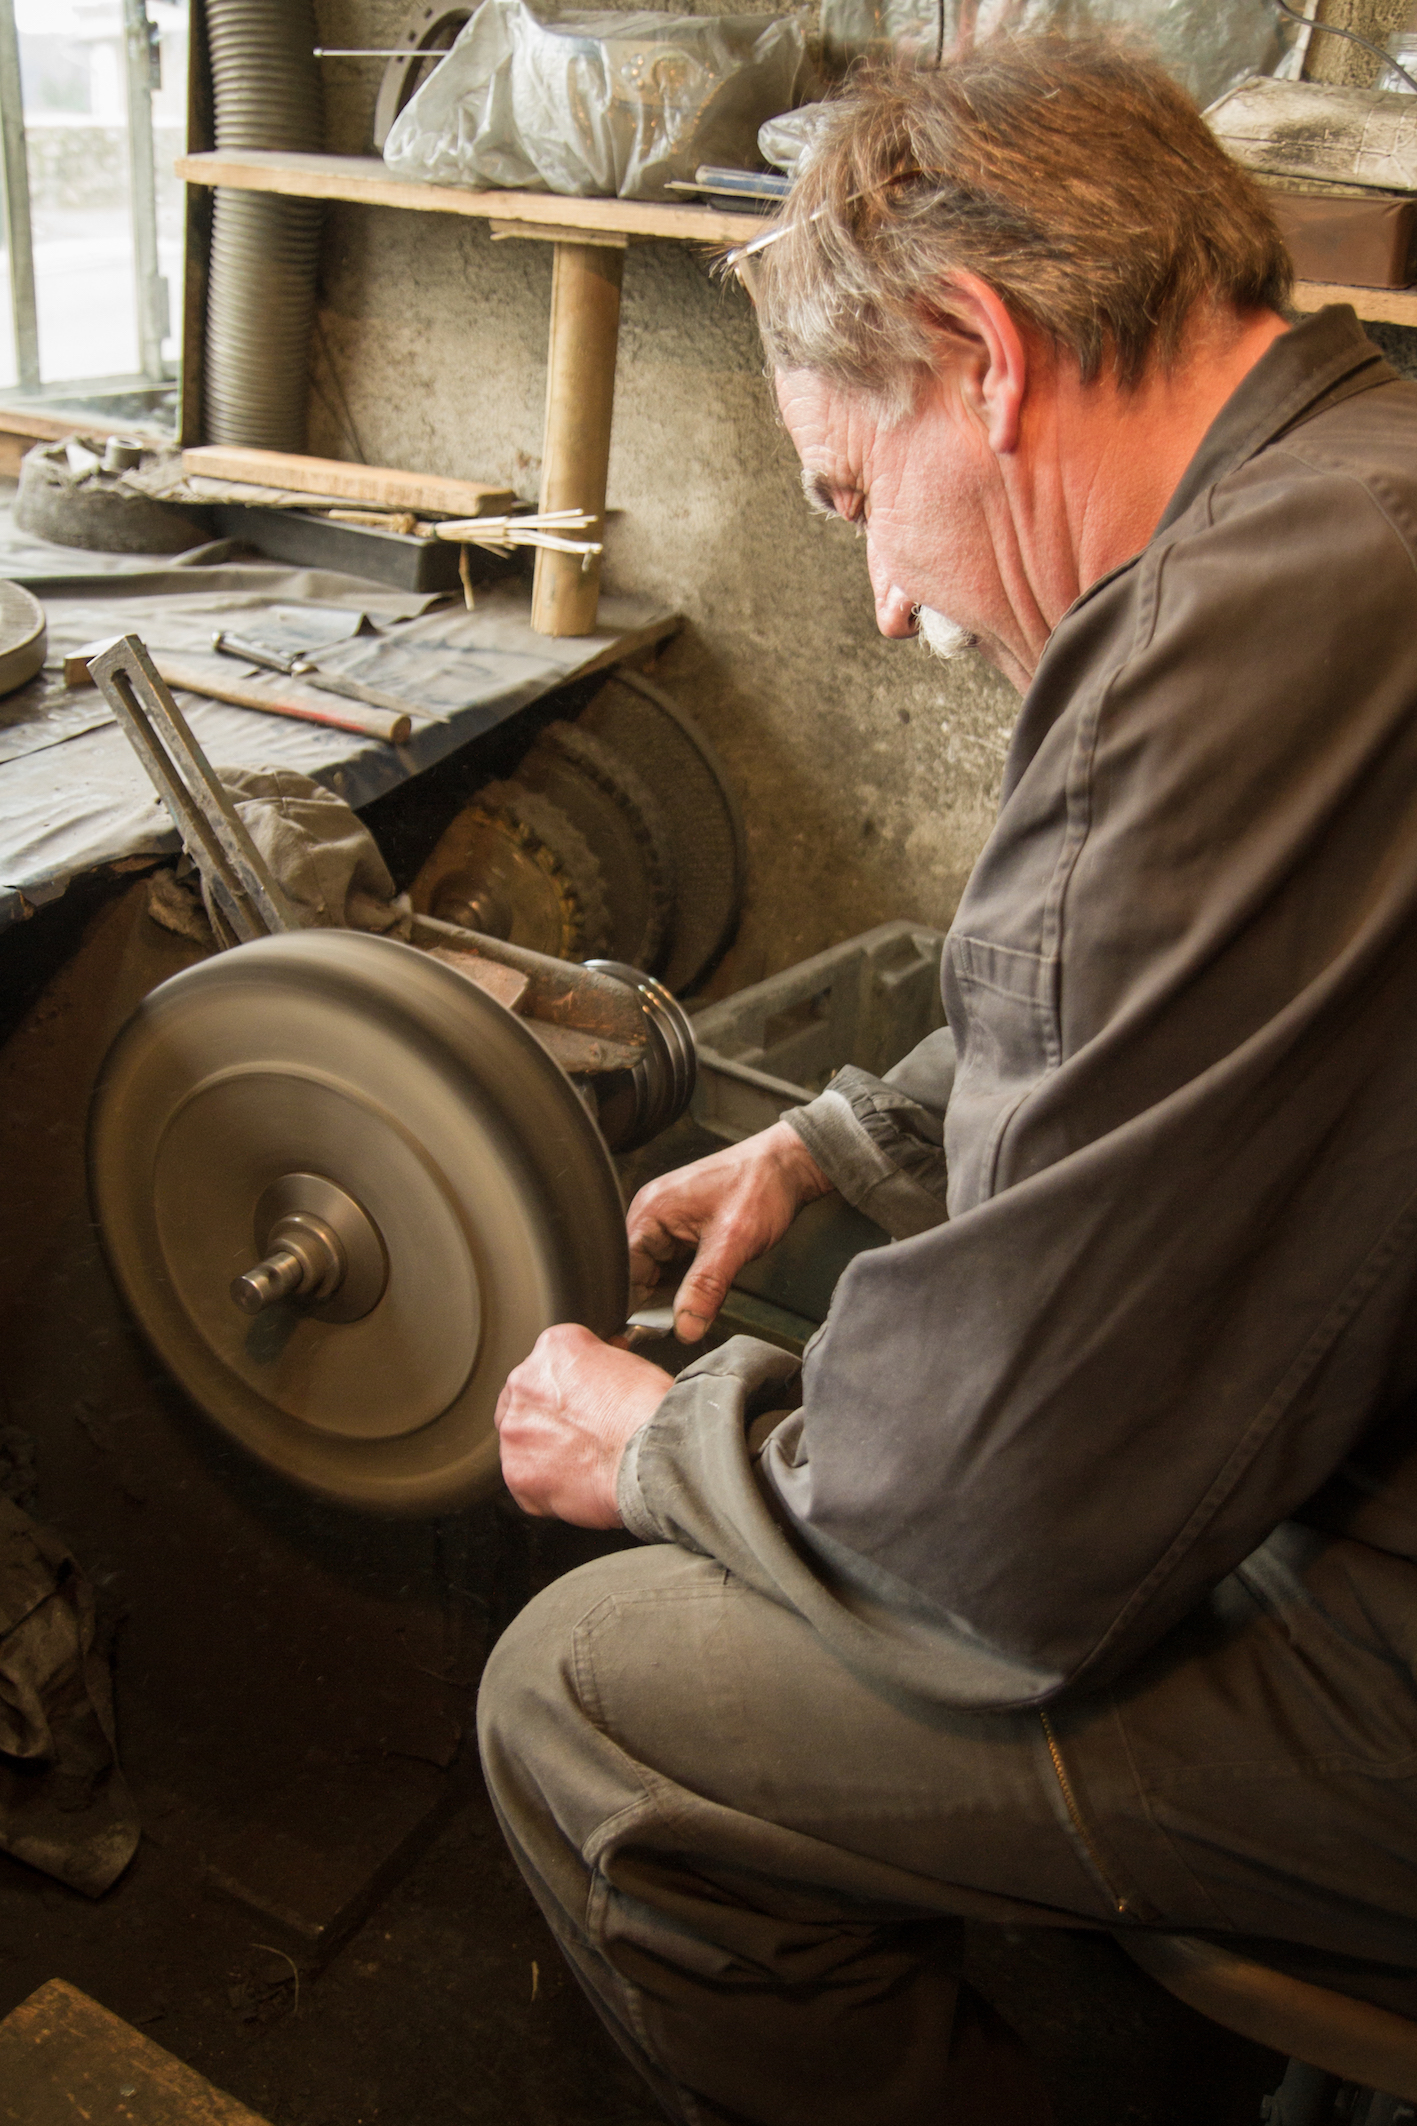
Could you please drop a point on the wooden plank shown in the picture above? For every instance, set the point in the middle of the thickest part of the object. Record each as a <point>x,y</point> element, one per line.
<point>335,480</point>
<point>329,1846</point>
<point>64,2061</point>
<point>628,642</point>
<point>19,432</point>
<point>1384,306</point>
<point>366,179</point>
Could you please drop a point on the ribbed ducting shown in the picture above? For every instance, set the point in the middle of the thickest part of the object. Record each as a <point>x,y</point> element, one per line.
<point>265,250</point>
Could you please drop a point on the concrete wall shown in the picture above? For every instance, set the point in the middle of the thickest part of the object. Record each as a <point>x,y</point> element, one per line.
<point>867,771</point>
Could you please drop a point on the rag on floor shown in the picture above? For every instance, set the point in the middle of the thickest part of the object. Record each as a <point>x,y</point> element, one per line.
<point>65,1806</point>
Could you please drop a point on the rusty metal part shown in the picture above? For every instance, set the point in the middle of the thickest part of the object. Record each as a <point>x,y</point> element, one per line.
<point>436,1122</point>
<point>688,782</point>
<point>511,865</point>
<point>611,805</point>
<point>559,991</point>
<point>615,1028</point>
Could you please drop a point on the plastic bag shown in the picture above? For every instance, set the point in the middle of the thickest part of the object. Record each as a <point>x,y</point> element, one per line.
<point>595,104</point>
<point>1208,45</point>
<point>787,141</point>
<point>1315,130</point>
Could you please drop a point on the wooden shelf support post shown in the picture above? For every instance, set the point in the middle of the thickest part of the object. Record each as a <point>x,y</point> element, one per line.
<point>580,398</point>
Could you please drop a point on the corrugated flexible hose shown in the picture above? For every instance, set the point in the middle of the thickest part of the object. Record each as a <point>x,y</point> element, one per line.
<point>265,250</point>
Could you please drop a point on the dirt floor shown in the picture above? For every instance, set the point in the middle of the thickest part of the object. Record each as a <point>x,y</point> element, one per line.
<point>321,1916</point>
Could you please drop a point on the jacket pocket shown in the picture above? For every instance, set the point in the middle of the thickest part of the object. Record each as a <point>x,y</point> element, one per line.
<point>1002,1008</point>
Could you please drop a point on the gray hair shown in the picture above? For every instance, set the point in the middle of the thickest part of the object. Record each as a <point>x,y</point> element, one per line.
<point>1071,174</point>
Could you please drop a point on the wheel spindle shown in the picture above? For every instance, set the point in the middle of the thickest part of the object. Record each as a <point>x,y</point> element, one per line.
<point>305,1261</point>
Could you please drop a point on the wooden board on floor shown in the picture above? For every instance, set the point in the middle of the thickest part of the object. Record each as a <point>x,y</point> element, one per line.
<point>64,2061</point>
<point>330,1845</point>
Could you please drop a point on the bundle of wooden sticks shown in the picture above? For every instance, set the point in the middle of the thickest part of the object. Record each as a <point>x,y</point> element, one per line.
<point>547,527</point>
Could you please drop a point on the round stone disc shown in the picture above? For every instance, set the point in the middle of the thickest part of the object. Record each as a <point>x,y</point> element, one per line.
<point>676,762</point>
<point>23,636</point>
<point>361,1060</point>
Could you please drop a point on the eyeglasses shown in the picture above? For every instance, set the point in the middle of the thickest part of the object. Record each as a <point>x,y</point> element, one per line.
<point>733,259</point>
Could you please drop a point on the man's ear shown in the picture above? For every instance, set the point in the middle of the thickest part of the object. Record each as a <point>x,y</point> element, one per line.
<point>973,313</point>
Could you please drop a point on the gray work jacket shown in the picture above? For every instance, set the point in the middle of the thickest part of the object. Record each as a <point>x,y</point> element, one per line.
<point>1153,1286</point>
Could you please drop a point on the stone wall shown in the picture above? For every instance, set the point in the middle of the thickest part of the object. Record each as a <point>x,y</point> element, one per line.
<point>79,163</point>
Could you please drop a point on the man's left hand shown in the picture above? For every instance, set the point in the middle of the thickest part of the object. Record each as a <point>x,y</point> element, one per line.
<point>565,1417</point>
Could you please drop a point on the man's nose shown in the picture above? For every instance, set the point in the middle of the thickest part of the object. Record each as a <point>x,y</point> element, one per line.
<point>895,612</point>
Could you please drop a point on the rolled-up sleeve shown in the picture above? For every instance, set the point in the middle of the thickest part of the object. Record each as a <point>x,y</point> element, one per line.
<point>880,1140</point>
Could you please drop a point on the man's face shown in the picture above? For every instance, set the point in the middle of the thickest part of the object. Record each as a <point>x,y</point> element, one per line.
<point>919,487</point>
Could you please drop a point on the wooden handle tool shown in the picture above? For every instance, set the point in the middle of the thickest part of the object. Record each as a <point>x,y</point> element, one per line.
<point>315,675</point>
<point>204,678</point>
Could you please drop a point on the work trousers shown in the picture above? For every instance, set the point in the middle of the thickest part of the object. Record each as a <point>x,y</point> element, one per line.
<point>753,1857</point>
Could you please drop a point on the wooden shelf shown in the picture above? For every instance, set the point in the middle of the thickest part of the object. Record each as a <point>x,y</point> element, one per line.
<point>1385,306</point>
<point>366,179</point>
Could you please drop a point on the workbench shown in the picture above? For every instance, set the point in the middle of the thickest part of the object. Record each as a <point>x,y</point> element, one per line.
<point>73,797</point>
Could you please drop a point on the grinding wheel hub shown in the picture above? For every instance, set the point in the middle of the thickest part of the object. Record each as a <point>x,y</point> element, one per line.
<point>344,1191</point>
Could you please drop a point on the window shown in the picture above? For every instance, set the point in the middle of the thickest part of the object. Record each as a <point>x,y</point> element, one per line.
<point>93,99</point>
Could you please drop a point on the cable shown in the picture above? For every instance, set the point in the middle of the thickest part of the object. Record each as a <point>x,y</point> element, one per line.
<point>1331,29</point>
<point>347,420</point>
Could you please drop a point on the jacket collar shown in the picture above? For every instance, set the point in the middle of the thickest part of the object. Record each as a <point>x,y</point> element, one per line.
<point>1290,381</point>
<point>1316,363</point>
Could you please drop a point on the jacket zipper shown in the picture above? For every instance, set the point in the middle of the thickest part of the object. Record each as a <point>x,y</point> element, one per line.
<point>1075,1816</point>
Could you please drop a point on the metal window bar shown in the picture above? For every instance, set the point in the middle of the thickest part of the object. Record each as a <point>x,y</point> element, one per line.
<point>18,234</point>
<point>151,300</point>
<point>142,55</point>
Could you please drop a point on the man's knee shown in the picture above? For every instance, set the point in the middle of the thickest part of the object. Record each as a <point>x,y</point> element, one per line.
<point>538,1725</point>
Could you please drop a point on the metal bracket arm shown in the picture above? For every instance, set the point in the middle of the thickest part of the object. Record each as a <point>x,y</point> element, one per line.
<point>212,833</point>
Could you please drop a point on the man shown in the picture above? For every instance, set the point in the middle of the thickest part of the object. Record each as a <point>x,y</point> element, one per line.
<point>1080,1588</point>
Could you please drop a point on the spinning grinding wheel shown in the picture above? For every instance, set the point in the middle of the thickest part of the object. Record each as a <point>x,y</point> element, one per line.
<point>342,1185</point>
<point>344,1191</point>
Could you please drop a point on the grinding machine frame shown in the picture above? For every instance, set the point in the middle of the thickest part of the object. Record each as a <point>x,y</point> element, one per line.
<point>525,1072</point>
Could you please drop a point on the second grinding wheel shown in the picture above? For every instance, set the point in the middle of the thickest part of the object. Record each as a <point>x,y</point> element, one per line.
<point>608,803</point>
<point>513,866</point>
<point>343,1192</point>
<point>689,785</point>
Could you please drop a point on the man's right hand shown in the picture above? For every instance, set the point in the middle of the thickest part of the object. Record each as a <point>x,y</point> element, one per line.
<point>730,1208</point>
